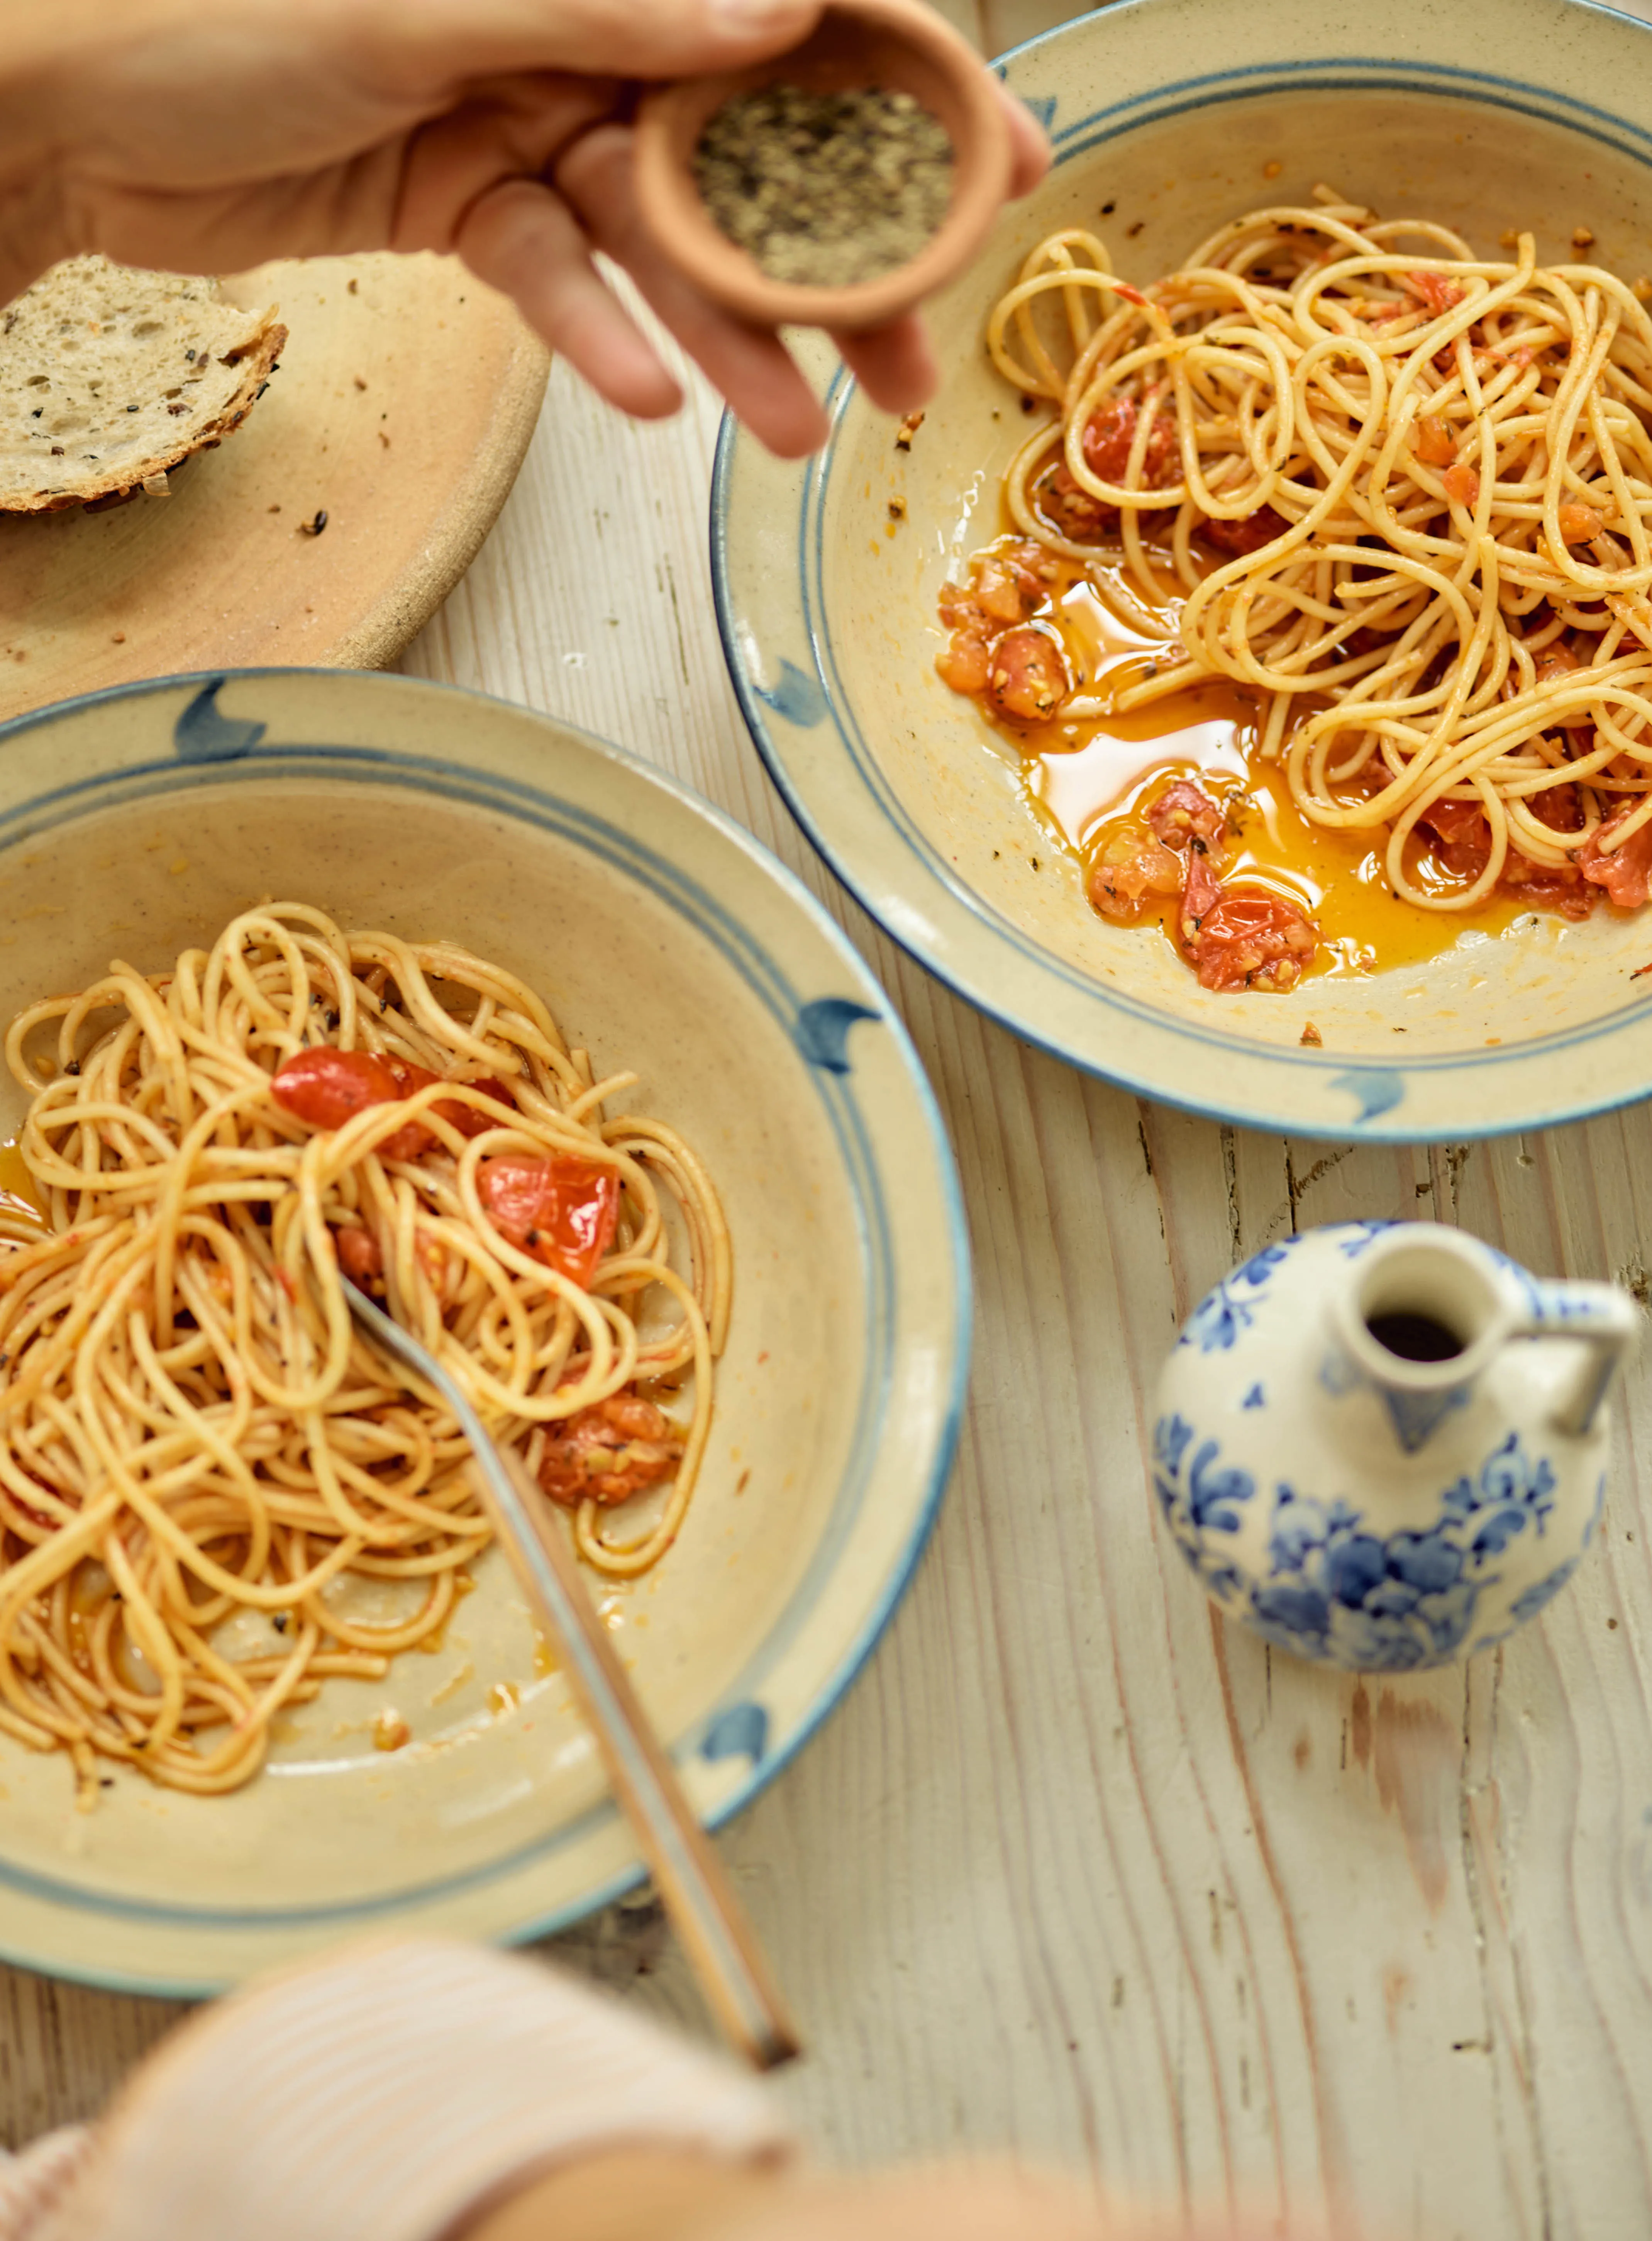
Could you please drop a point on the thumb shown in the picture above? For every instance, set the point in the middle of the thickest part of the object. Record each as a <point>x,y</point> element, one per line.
<point>469,39</point>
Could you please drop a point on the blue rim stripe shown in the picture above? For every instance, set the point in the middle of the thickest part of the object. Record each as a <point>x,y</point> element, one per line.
<point>529,804</point>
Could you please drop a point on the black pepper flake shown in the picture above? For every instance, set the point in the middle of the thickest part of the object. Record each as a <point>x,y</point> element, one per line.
<point>315,527</point>
<point>105,1781</point>
<point>1033,860</point>
<point>1028,403</point>
<point>39,409</point>
<point>1107,208</point>
<point>897,509</point>
<point>72,1066</point>
<point>1131,232</point>
<point>533,1239</point>
<point>279,1622</point>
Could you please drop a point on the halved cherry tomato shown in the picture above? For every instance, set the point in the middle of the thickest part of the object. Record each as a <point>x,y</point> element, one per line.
<point>562,1211</point>
<point>327,1088</point>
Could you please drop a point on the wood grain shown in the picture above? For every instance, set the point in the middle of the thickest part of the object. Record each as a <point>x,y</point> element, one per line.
<point>1077,1872</point>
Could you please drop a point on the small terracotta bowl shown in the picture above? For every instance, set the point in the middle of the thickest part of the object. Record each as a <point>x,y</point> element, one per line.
<point>898,44</point>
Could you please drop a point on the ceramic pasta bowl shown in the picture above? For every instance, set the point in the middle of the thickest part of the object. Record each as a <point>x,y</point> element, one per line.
<point>136,823</point>
<point>1168,117</point>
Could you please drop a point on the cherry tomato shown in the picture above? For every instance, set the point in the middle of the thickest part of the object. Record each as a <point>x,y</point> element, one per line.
<point>1239,940</point>
<point>1461,836</point>
<point>1439,294</point>
<point>1027,680</point>
<point>1130,866</point>
<point>1183,813</point>
<point>1626,871</point>
<point>1249,533</point>
<point>464,1118</point>
<point>610,1452</point>
<point>327,1088</point>
<point>1108,436</point>
<point>562,1211</point>
<point>358,1255</point>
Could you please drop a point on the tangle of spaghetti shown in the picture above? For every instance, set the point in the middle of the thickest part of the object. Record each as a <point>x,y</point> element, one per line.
<point>1403,493</point>
<point>200,1453</point>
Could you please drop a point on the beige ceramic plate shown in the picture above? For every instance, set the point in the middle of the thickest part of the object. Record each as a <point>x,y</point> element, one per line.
<point>404,400</point>
<point>667,941</point>
<point>1486,113</point>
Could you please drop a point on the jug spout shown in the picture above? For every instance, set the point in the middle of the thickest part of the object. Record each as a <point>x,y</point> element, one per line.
<point>1423,1313</point>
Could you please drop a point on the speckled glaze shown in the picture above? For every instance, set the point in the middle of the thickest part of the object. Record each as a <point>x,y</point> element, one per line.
<point>1163,113</point>
<point>668,942</point>
<point>1375,1512</point>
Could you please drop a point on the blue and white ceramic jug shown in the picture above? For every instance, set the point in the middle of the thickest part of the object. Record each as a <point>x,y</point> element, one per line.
<point>1381,1445</point>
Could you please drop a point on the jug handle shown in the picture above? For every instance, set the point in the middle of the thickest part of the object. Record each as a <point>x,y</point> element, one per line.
<point>1608,1323</point>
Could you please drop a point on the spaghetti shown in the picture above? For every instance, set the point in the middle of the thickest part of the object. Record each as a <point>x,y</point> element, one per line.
<point>1400,493</point>
<point>202,1460</point>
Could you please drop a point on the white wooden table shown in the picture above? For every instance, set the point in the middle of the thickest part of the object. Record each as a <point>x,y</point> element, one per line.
<point>1077,1872</point>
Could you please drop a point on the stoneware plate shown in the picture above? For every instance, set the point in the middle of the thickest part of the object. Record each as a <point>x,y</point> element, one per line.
<point>137,822</point>
<point>405,398</point>
<point>1486,113</point>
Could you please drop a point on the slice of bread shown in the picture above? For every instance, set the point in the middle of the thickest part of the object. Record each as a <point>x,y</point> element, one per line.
<point>109,377</point>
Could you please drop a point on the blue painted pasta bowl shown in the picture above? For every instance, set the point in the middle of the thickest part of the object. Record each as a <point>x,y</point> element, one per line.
<point>136,823</point>
<point>1169,117</point>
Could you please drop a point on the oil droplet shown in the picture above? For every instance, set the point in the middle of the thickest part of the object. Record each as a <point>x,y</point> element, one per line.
<point>545,1657</point>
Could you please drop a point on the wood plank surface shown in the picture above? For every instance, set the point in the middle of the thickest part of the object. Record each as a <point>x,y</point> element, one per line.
<point>1078,1872</point>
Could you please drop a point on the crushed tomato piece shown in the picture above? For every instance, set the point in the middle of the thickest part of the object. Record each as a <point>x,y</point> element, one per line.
<point>1625,871</point>
<point>1237,938</point>
<point>1028,680</point>
<point>1249,534</point>
<point>610,1451</point>
<point>1131,866</point>
<point>1185,813</point>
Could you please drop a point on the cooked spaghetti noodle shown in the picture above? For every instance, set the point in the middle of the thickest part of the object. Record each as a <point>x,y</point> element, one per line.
<point>192,1430</point>
<point>1403,494</point>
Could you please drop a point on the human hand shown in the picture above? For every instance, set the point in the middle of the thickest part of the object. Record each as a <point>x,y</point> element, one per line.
<point>207,139</point>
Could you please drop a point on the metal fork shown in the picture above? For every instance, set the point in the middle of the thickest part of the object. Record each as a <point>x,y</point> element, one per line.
<point>722,1948</point>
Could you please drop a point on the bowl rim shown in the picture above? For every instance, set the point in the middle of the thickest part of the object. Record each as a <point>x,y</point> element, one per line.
<point>902,1567</point>
<point>1376,1086</point>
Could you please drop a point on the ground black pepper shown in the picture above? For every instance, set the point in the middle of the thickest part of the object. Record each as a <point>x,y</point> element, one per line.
<point>825,189</point>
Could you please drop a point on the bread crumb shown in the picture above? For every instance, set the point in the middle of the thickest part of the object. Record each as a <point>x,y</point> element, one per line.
<point>351,288</point>
<point>907,430</point>
<point>119,638</point>
<point>1272,170</point>
<point>1311,1035</point>
<point>1581,237</point>
<point>1508,239</point>
<point>897,509</point>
